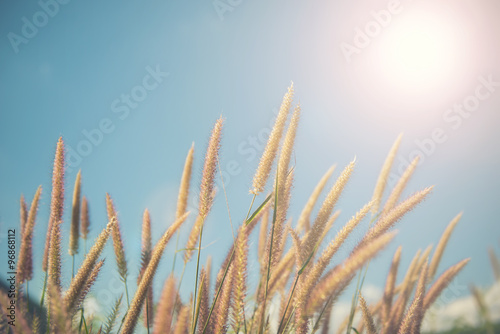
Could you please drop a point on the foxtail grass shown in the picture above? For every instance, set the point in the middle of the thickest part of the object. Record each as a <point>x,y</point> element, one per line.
<point>298,273</point>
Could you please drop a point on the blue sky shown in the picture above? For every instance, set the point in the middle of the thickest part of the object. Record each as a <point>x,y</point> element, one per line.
<point>183,64</point>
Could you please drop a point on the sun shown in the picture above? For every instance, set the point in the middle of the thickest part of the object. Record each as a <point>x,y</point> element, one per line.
<point>422,51</point>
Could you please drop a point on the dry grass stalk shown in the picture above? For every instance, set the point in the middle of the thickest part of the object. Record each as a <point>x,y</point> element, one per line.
<point>163,318</point>
<point>23,213</point>
<point>279,235</point>
<point>328,226</point>
<point>263,214</point>
<point>60,320</point>
<point>374,311</point>
<point>240,277</point>
<point>183,196</point>
<point>74,234</point>
<point>442,282</point>
<point>146,249</point>
<point>338,275</point>
<point>118,247</point>
<point>495,264</point>
<point>317,270</point>
<point>325,211</point>
<point>263,237</point>
<point>286,151</point>
<point>206,189</point>
<point>438,253</point>
<point>367,316</point>
<point>88,285</point>
<point>209,170</point>
<point>57,198</point>
<point>397,311</point>
<point>418,300</point>
<point>183,322</point>
<point>221,314</point>
<point>54,262</point>
<point>271,149</point>
<point>384,223</point>
<point>85,219</point>
<point>389,285</point>
<point>202,306</point>
<point>304,220</point>
<point>283,268</point>
<point>297,245</point>
<point>400,186</point>
<point>384,175</point>
<point>332,248</point>
<point>25,263</point>
<point>406,324</point>
<point>78,283</point>
<point>193,239</point>
<point>140,295</point>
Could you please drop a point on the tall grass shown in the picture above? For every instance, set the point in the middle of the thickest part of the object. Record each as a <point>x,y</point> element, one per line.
<point>304,279</point>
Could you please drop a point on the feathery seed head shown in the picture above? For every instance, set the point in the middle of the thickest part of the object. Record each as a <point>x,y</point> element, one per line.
<point>367,316</point>
<point>79,282</point>
<point>336,277</point>
<point>210,169</point>
<point>23,214</point>
<point>442,282</point>
<point>146,232</point>
<point>390,219</point>
<point>438,253</point>
<point>287,149</point>
<point>303,222</point>
<point>182,198</point>
<point>85,219</point>
<point>163,318</point>
<point>400,186</point>
<point>57,198</point>
<point>25,263</point>
<point>75,217</point>
<point>318,269</point>
<point>118,247</point>
<point>54,259</point>
<point>271,149</point>
<point>390,284</point>
<point>326,209</point>
<point>384,174</point>
<point>132,316</point>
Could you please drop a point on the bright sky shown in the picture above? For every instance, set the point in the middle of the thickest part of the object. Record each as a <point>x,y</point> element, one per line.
<point>146,79</point>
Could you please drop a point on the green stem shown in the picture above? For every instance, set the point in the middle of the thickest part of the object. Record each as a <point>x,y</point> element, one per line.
<point>231,260</point>
<point>176,250</point>
<point>196,279</point>
<point>85,325</point>
<point>81,322</point>
<point>43,290</point>
<point>178,289</point>
<point>126,291</point>
<point>288,304</point>
<point>316,325</point>
<point>250,208</point>
<point>354,302</point>
<point>261,330</point>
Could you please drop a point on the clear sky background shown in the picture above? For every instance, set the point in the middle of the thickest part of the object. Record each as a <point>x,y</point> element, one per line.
<point>70,75</point>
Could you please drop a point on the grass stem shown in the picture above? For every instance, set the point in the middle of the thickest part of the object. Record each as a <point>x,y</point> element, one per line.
<point>43,290</point>
<point>196,279</point>
<point>261,330</point>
